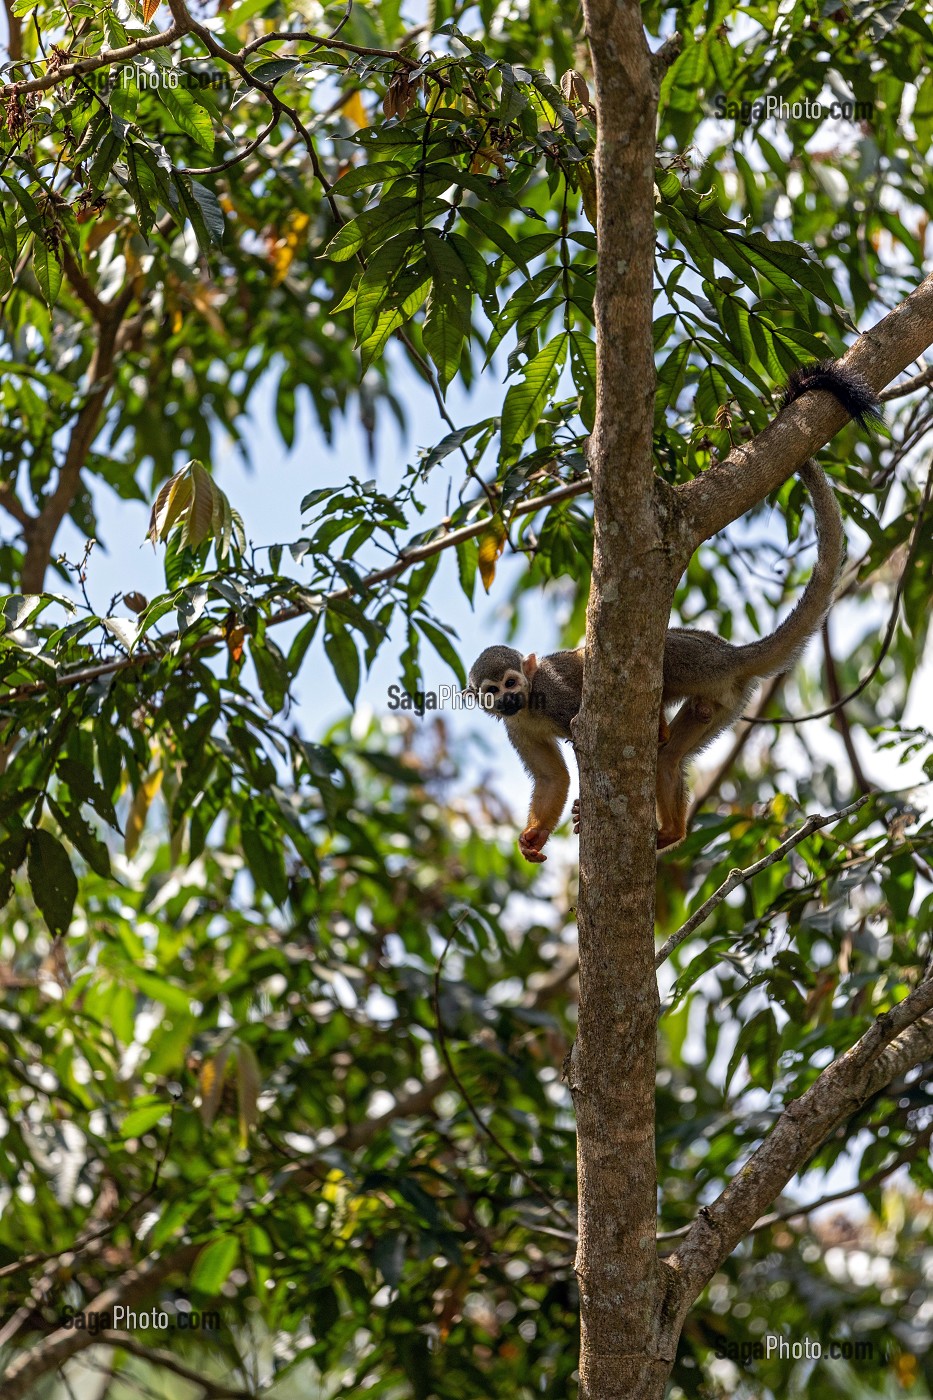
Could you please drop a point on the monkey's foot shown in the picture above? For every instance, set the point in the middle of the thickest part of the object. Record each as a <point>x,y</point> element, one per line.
<point>669,838</point>
<point>531,841</point>
<point>575,815</point>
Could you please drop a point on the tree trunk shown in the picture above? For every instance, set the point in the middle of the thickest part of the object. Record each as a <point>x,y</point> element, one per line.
<point>612,1067</point>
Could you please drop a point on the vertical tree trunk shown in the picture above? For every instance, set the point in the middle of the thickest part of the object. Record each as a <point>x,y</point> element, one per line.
<point>612,1068</point>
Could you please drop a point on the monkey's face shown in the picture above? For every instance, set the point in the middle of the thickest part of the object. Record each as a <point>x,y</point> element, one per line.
<point>505,695</point>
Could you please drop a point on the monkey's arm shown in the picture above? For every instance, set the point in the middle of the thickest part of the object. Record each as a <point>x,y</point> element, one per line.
<point>543,759</point>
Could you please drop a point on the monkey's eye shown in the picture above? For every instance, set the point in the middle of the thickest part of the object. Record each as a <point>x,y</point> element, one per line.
<point>510,682</point>
<point>492,690</point>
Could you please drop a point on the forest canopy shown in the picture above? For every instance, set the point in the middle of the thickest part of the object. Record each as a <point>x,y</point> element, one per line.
<point>287,1017</point>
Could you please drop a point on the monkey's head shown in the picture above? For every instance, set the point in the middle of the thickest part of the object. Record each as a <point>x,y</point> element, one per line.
<point>500,678</point>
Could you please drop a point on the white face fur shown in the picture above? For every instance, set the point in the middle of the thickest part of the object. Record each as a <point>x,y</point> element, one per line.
<point>505,696</point>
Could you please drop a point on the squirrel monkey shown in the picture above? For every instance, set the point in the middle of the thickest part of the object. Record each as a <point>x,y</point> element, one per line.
<point>709,678</point>
<point>538,700</point>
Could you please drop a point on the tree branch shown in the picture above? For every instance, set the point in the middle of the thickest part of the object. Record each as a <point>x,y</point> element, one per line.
<point>13,506</point>
<point>320,41</point>
<point>58,503</point>
<point>158,1356</point>
<point>840,718</point>
<point>407,560</point>
<point>52,1351</point>
<point>898,391</point>
<point>860,1188</point>
<point>752,470</point>
<point>106,58</point>
<point>740,877</point>
<point>897,1041</point>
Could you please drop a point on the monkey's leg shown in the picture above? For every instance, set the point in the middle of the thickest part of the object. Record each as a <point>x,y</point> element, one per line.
<point>693,725</point>
<point>664,729</point>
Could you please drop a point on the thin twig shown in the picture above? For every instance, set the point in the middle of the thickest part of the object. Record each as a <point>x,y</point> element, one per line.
<point>739,877</point>
<point>106,58</point>
<point>407,560</point>
<point>897,391</point>
<point>168,1361</point>
<point>859,1188</point>
<point>916,539</point>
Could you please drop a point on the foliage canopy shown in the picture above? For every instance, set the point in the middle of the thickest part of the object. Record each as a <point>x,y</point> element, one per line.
<point>231,941</point>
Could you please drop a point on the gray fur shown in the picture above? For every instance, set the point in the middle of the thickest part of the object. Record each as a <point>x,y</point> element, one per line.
<point>698,663</point>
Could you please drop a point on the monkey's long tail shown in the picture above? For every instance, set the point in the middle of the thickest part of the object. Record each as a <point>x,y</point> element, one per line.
<point>781,648</point>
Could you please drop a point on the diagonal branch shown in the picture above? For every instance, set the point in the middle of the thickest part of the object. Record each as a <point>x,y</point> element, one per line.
<point>752,470</point>
<point>741,877</point>
<point>13,506</point>
<point>19,1378</point>
<point>42,530</point>
<point>898,1040</point>
<point>859,1188</point>
<point>446,539</point>
<point>158,1356</point>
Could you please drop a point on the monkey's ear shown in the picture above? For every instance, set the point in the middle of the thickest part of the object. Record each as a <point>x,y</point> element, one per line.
<point>529,665</point>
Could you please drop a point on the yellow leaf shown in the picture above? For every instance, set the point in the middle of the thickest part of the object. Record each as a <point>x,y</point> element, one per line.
<point>211,1083</point>
<point>149,9</point>
<point>354,110</point>
<point>491,544</point>
<point>486,156</point>
<point>201,515</point>
<point>190,498</point>
<point>285,249</point>
<point>142,801</point>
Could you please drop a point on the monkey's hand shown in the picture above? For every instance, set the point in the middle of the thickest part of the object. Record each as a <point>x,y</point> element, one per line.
<point>575,814</point>
<point>531,841</point>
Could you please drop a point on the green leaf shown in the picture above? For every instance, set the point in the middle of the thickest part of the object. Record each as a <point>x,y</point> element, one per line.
<point>140,1120</point>
<point>265,856</point>
<point>85,841</point>
<point>444,647</point>
<point>496,235</point>
<point>525,401</point>
<point>12,855</point>
<point>192,207</point>
<point>377,281</point>
<point>343,656</point>
<point>52,880</point>
<point>85,788</point>
<point>193,119</point>
<point>447,320</point>
<point>210,208</point>
<point>135,184</point>
<point>583,369</point>
<point>48,270</point>
<point>214,1264</point>
<point>272,670</point>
